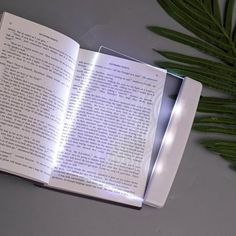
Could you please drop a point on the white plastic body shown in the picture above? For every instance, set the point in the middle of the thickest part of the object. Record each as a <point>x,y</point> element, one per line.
<point>173,143</point>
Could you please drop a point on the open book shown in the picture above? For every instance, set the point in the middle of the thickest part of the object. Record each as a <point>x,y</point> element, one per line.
<point>74,119</point>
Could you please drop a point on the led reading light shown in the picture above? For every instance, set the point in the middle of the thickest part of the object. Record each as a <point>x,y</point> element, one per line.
<point>173,144</point>
<point>174,139</point>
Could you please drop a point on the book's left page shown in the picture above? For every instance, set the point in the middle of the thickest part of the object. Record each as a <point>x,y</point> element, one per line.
<point>37,66</point>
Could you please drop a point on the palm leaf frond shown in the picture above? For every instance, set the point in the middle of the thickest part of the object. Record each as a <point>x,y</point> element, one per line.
<point>214,35</point>
<point>215,129</point>
<point>193,42</point>
<point>218,100</point>
<point>200,62</point>
<point>215,120</point>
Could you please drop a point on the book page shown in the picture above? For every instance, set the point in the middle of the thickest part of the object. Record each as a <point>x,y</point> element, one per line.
<point>110,127</point>
<point>37,66</point>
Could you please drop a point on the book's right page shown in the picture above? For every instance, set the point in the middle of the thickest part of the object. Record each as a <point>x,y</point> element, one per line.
<point>109,132</point>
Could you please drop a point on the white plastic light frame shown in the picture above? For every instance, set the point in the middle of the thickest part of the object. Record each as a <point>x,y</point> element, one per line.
<point>173,143</point>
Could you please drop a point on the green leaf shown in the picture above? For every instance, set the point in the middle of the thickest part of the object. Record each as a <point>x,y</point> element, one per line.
<point>193,42</point>
<point>215,120</point>
<point>194,5</point>
<point>196,20</point>
<point>216,66</point>
<point>228,15</point>
<point>228,154</point>
<point>219,143</point>
<point>226,149</point>
<point>215,129</point>
<point>223,110</point>
<point>198,28</point>
<point>217,75</point>
<point>220,85</point>
<point>218,101</point>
